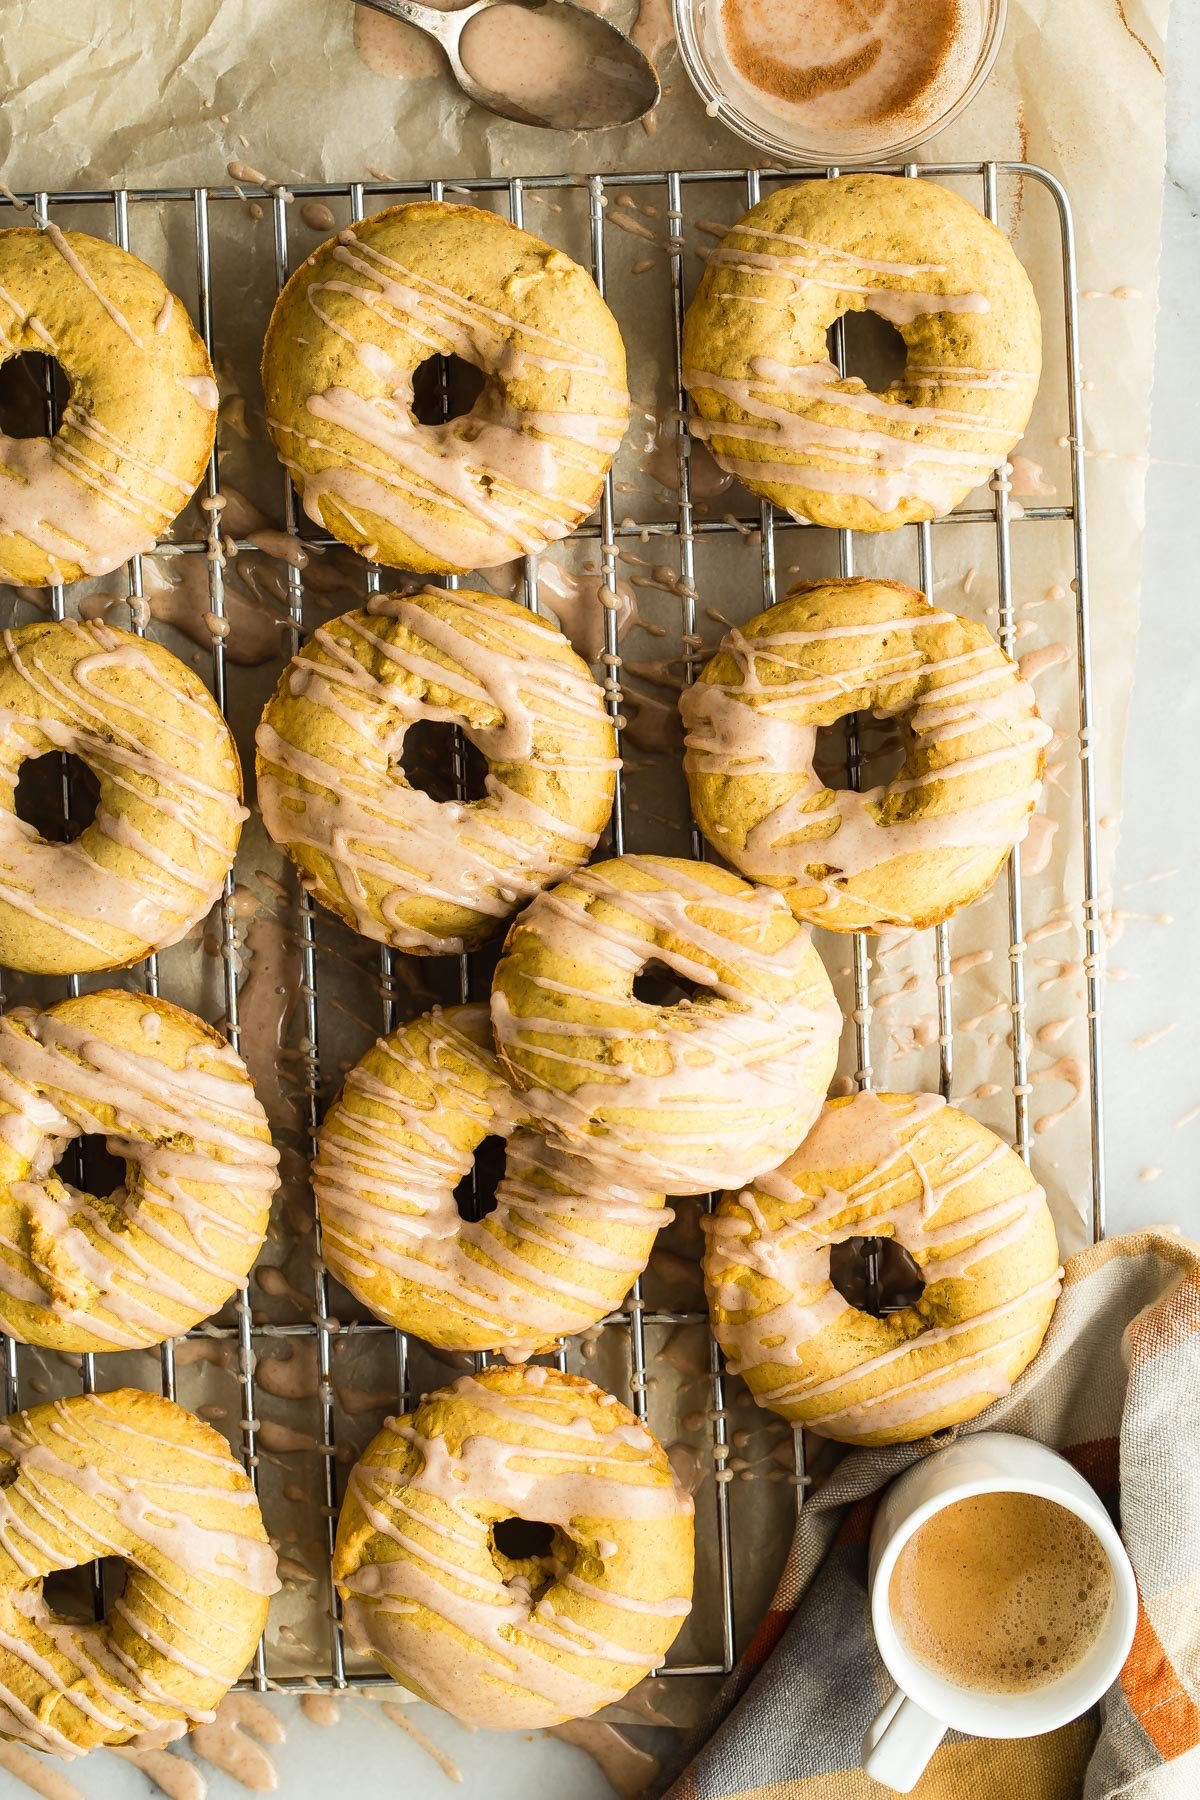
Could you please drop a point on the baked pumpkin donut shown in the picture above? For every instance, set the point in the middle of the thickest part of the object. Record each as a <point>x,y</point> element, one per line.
<point>561,1248</point>
<point>676,1096</point>
<point>133,1476</point>
<point>138,428</point>
<point>968,1212</point>
<point>515,1643</point>
<point>125,1270</point>
<point>905,855</point>
<point>524,466</point>
<point>166,829</point>
<point>773,408</point>
<point>390,860</point>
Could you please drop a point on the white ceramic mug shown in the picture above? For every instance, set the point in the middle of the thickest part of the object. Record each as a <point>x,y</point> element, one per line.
<point>924,1706</point>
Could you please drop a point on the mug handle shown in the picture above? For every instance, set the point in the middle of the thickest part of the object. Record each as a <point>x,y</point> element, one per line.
<point>900,1742</point>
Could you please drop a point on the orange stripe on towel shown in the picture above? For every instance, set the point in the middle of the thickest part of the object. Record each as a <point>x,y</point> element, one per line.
<point>1165,1712</point>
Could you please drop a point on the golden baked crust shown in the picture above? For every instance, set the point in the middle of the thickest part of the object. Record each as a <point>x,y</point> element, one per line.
<point>969,1213</point>
<point>138,428</point>
<point>522,1644</point>
<point>391,861</point>
<point>773,407</point>
<point>561,1248</point>
<point>523,467</point>
<point>687,1097</point>
<point>134,1476</point>
<point>121,1271</point>
<point>166,830</point>
<point>905,855</point>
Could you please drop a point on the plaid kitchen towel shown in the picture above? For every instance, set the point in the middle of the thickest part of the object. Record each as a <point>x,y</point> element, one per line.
<point>1116,1388</point>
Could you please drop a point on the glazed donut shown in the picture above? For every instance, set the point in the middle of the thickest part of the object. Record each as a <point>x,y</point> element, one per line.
<point>774,409</point>
<point>958,1200</point>
<point>523,467</point>
<point>125,1270</point>
<point>906,855</point>
<point>387,858</point>
<point>515,1644</point>
<point>560,1250</point>
<point>134,1476</point>
<point>154,858</point>
<point>138,428</point>
<point>686,1097</point>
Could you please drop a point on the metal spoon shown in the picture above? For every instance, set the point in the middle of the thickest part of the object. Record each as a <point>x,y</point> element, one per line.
<point>620,84</point>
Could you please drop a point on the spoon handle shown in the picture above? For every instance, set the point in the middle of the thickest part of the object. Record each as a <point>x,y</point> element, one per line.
<point>445,26</point>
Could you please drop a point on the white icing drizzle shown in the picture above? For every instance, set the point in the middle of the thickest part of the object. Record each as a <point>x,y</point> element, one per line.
<point>524,699</point>
<point>923,442</point>
<point>169,789</point>
<point>150,1261</point>
<point>84,1479</point>
<point>559,1251</point>
<point>60,242</point>
<point>972,1218</point>
<point>428,1596</point>
<point>969,713</point>
<point>716,1088</point>
<point>479,489</point>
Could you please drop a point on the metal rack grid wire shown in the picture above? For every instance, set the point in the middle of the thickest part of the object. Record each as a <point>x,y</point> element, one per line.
<point>686,530</point>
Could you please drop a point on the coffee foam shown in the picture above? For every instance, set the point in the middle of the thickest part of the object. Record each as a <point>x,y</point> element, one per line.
<point>1002,1593</point>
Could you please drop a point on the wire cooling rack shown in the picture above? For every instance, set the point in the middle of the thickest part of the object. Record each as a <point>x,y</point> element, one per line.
<point>605,221</point>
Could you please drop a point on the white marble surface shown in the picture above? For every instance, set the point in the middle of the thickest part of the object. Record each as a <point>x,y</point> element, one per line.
<point>1148,1090</point>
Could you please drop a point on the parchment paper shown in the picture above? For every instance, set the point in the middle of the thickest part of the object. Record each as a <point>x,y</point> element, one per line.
<point>108,91</point>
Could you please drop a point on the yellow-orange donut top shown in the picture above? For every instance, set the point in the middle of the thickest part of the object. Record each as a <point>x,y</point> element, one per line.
<point>524,466</point>
<point>395,863</point>
<point>904,855</point>
<point>132,1476</point>
<point>682,1097</point>
<point>165,832</point>
<point>949,1192</point>
<point>560,1249</point>
<point>138,427</point>
<point>774,408</point>
<point>503,1642</point>
<point>125,1270</point>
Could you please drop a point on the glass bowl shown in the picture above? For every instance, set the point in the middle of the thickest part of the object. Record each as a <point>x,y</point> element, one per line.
<point>780,129</point>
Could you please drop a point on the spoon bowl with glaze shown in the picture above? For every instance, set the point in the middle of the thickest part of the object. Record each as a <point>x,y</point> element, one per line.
<point>550,63</point>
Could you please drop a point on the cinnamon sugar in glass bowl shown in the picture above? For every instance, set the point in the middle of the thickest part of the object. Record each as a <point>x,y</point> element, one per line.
<point>838,81</point>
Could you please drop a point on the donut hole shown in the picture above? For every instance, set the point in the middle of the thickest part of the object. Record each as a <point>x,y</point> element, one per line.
<point>445,387</point>
<point>104,1173</point>
<point>80,1595</point>
<point>876,1275</point>
<point>869,756</point>
<point>57,794</point>
<point>518,1539</point>
<point>873,350</point>
<point>475,1195</point>
<point>529,1553</point>
<point>655,984</point>
<point>27,381</point>
<point>438,759</point>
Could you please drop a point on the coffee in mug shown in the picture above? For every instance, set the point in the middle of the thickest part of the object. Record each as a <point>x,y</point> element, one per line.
<point>1001,1593</point>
